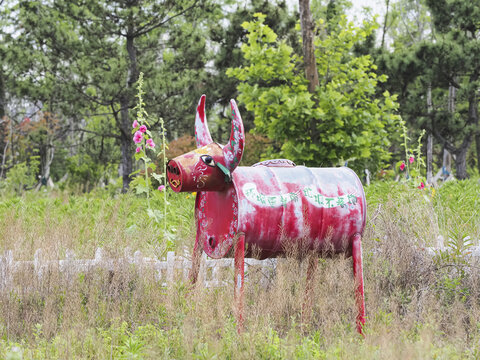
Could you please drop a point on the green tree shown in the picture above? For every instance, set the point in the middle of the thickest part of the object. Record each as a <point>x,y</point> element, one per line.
<point>36,79</point>
<point>453,61</point>
<point>3,122</point>
<point>438,64</point>
<point>101,46</point>
<point>411,23</point>
<point>4,23</point>
<point>341,121</point>
<point>228,36</point>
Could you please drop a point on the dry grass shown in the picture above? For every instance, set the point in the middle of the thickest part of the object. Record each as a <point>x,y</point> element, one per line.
<point>418,307</point>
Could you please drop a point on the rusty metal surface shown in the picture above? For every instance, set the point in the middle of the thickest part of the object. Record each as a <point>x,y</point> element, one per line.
<point>265,210</point>
<point>189,173</point>
<point>276,163</point>
<point>202,134</point>
<point>321,208</point>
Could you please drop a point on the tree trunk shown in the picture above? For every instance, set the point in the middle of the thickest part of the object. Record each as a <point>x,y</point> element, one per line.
<point>125,146</point>
<point>2,94</point>
<point>429,158</point>
<point>307,26</point>
<point>461,163</point>
<point>48,163</point>
<point>477,141</point>
<point>5,148</point>
<point>309,60</point>
<point>385,22</point>
<point>461,153</point>
<point>4,140</point>
<point>46,166</point>
<point>447,163</point>
<point>47,153</point>
<point>71,136</point>
<point>125,103</point>
<point>452,96</point>
<point>429,140</point>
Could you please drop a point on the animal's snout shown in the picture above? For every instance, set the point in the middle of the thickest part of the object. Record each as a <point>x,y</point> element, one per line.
<point>173,169</point>
<point>174,175</point>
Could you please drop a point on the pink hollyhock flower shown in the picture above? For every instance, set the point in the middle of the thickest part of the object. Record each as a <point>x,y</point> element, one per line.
<point>137,138</point>
<point>402,166</point>
<point>135,124</point>
<point>138,149</point>
<point>150,143</point>
<point>143,128</point>
<point>161,188</point>
<point>422,186</point>
<point>411,159</point>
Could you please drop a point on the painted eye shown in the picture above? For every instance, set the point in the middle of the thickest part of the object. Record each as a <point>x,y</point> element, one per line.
<point>207,159</point>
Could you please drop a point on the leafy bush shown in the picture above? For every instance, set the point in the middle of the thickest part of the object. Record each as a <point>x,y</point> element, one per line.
<point>84,173</point>
<point>255,148</point>
<point>21,176</point>
<point>182,145</point>
<point>343,120</point>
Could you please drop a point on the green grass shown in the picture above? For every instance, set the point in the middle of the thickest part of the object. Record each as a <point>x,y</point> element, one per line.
<point>452,208</point>
<point>418,307</point>
<point>59,221</point>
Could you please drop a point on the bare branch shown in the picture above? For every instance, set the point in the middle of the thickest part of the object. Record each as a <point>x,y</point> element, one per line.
<point>96,133</point>
<point>152,26</point>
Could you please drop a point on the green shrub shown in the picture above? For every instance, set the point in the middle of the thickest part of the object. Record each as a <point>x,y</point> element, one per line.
<point>21,177</point>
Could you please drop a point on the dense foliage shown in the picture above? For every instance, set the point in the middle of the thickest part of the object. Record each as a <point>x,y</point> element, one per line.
<point>68,73</point>
<point>342,121</point>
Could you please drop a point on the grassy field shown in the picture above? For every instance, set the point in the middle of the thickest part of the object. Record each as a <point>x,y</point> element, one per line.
<point>418,306</point>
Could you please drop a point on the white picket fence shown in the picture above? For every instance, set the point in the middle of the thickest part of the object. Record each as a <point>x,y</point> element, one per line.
<point>472,251</point>
<point>165,271</point>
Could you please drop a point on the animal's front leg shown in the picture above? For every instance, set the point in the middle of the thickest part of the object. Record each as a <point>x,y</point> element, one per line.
<point>196,259</point>
<point>358,276</point>
<point>239,279</point>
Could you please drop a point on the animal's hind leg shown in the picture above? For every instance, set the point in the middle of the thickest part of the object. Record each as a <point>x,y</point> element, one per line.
<point>196,259</point>
<point>358,276</point>
<point>239,279</point>
<point>307,301</point>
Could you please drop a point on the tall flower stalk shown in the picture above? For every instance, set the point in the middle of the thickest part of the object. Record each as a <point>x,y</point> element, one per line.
<point>143,139</point>
<point>164,157</point>
<point>405,145</point>
<point>411,156</point>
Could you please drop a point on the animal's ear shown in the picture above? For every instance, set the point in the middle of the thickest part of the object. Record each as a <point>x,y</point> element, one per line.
<point>233,151</point>
<point>202,134</point>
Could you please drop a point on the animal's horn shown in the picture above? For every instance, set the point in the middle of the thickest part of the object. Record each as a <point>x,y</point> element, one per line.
<point>202,134</point>
<point>233,151</point>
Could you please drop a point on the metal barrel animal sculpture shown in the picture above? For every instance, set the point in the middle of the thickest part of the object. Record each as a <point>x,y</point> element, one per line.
<point>261,210</point>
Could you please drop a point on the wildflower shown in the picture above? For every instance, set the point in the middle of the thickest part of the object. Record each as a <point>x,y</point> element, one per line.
<point>135,124</point>
<point>143,128</point>
<point>402,166</point>
<point>150,143</point>
<point>422,186</point>
<point>138,149</point>
<point>411,159</point>
<point>137,138</point>
<point>161,188</point>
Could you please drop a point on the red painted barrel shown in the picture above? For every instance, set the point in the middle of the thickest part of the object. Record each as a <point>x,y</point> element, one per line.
<point>322,208</point>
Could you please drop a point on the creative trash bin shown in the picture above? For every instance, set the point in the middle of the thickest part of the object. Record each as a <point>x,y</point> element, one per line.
<point>261,210</point>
